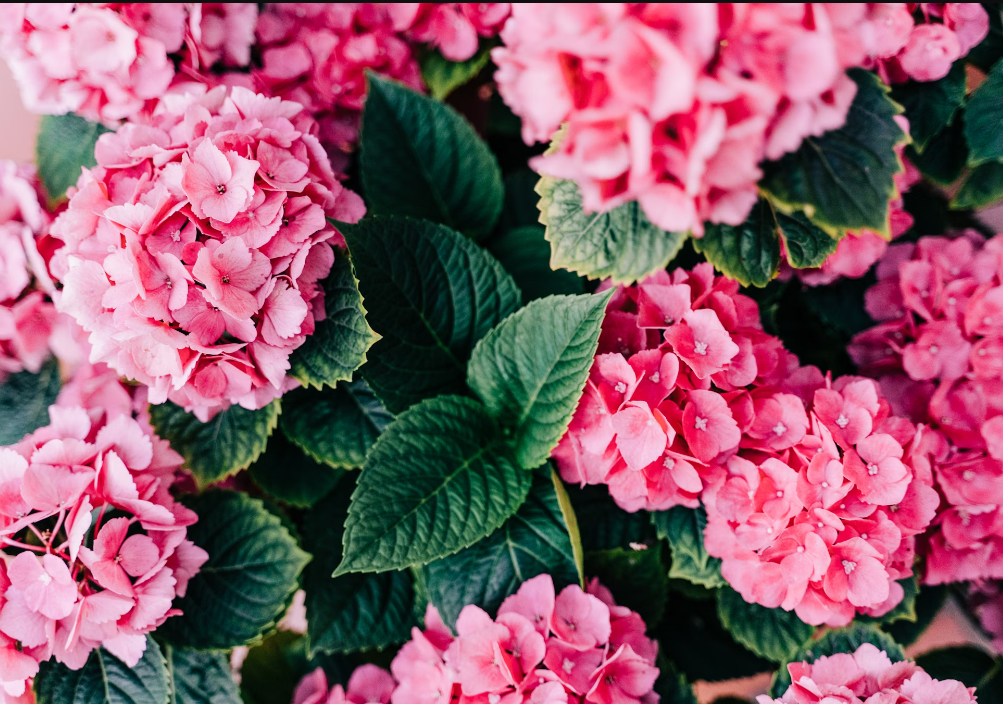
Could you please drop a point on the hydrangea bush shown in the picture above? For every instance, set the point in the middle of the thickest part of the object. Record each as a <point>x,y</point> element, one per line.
<point>421,353</point>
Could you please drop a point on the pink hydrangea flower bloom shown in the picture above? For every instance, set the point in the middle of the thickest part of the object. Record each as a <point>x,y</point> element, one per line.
<point>369,684</point>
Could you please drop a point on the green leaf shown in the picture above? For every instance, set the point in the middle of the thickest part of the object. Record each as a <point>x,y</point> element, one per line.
<point>807,245</point>
<point>905,610</point>
<point>339,344</point>
<point>423,159</point>
<point>671,685</point>
<point>929,602</point>
<point>636,577</point>
<point>774,634</point>
<point>683,528</point>
<point>438,480</point>
<point>273,668</point>
<point>228,443</point>
<point>200,677</point>
<point>622,243</point>
<point>843,180</point>
<point>432,295</point>
<point>841,640</point>
<point>253,568</point>
<point>286,473</point>
<point>520,200</point>
<point>530,370</point>
<point>336,426</point>
<point>354,611</point>
<point>982,187</point>
<point>532,542</point>
<point>605,525</point>
<point>525,254</point>
<point>972,666</point>
<point>984,119</point>
<point>945,155</point>
<point>931,105</point>
<point>443,76</point>
<point>571,521</point>
<point>748,253</point>
<point>65,144</point>
<point>104,679</point>
<point>24,401</point>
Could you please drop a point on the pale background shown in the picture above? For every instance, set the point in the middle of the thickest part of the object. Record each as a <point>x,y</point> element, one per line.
<point>18,129</point>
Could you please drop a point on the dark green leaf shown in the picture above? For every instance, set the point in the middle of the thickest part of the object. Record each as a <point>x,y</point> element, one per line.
<point>253,568</point>
<point>525,255</point>
<point>982,187</point>
<point>636,577</point>
<point>432,295</point>
<point>622,243</point>
<point>520,202</point>
<point>354,611</point>
<point>532,542</point>
<point>807,245</point>
<point>840,305</point>
<point>24,401</point>
<point>228,443</point>
<point>683,528</point>
<point>605,525</point>
<point>774,634</point>
<point>984,119</point>
<point>422,159</point>
<point>200,677</point>
<point>65,144</point>
<point>531,369</point>
<point>945,155</point>
<point>671,685</point>
<point>273,668</point>
<point>929,601</point>
<point>443,76</point>
<point>972,666</point>
<point>570,519</point>
<point>339,343</point>
<point>335,426</point>
<point>105,679</point>
<point>990,50</point>
<point>843,180</point>
<point>930,105</point>
<point>289,475</point>
<point>748,253</point>
<point>841,640</point>
<point>438,480</point>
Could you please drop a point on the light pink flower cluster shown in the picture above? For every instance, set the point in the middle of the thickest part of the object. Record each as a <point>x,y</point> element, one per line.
<point>369,684</point>
<point>194,251</point>
<point>675,105</point>
<point>867,675</point>
<point>949,31</point>
<point>541,649</point>
<point>97,545</point>
<point>813,491</point>
<point>109,62</point>
<point>938,353</point>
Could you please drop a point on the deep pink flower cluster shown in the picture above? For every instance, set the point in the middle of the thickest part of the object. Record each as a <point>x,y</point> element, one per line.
<point>675,105</point>
<point>949,31</point>
<point>938,353</point>
<point>75,581</point>
<point>986,600</point>
<point>867,675</point>
<point>542,649</point>
<point>813,491</point>
<point>369,684</point>
<point>194,250</point>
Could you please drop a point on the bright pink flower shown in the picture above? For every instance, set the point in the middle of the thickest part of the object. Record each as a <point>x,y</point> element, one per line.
<point>708,425</point>
<point>231,272</point>
<point>702,342</point>
<point>623,678</point>
<point>534,601</point>
<point>929,53</point>
<point>218,185</point>
<point>580,620</point>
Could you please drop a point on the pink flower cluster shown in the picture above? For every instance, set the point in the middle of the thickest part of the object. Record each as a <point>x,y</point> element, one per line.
<point>675,105</point>
<point>193,253</point>
<point>937,352</point>
<point>867,675</point>
<point>541,649</point>
<point>369,684</point>
<point>74,581</point>
<point>949,31</point>
<point>813,491</point>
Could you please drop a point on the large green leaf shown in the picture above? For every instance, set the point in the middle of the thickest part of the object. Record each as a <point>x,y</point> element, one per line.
<point>525,255</point>
<point>984,119</point>
<point>104,679</point>
<point>443,76</point>
<point>843,180</point>
<point>530,370</point>
<point>683,528</point>
<point>432,294</point>
<point>335,426</point>
<point>353,611</point>
<point>636,578</point>
<point>439,479</point>
<point>65,144</point>
<point>774,634</point>
<point>982,187</point>
<point>24,401</point>
<point>945,155</point>
<point>242,591</point>
<point>340,341</point>
<point>748,253</point>
<point>286,473</point>
<point>622,243</point>
<point>228,443</point>
<point>931,105</point>
<point>840,640</point>
<point>605,525</point>
<point>422,159</point>
<point>973,667</point>
<point>534,541</point>
<point>200,677</point>
<point>671,685</point>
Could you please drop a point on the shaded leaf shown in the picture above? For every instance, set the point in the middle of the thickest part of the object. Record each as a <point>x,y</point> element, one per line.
<point>605,525</point>
<point>806,245</point>
<point>443,76</point>
<point>636,578</point>
<point>104,679</point>
<point>931,105</point>
<point>982,187</point>
<point>774,634</point>
<point>683,528</point>
<point>748,253</point>
<point>520,201</point>
<point>525,255</point>
<point>200,677</point>
<point>64,145</point>
<point>24,401</point>
<point>286,473</point>
<point>984,119</point>
<point>945,155</point>
<point>671,685</point>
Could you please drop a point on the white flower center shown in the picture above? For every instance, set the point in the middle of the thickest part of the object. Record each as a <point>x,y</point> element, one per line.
<point>700,423</point>
<point>800,548</point>
<point>45,578</point>
<point>668,463</point>
<point>620,387</point>
<point>842,421</point>
<point>655,377</point>
<point>934,349</point>
<point>987,320</point>
<point>849,566</point>
<point>779,429</point>
<point>567,666</point>
<point>494,698</point>
<point>668,320</point>
<point>968,475</point>
<point>872,469</point>
<point>700,348</point>
<point>952,301</point>
<point>825,485</point>
<point>864,536</point>
<point>780,494</point>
